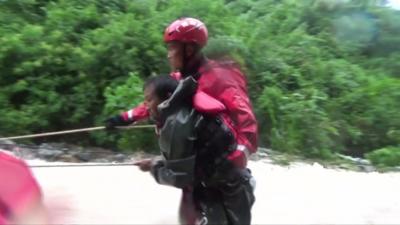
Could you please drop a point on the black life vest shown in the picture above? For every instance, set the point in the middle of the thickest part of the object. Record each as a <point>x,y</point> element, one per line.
<point>189,141</point>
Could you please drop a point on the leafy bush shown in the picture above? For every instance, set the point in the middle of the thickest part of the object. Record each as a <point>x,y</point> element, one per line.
<point>385,157</point>
<point>318,87</point>
<point>299,123</point>
<point>369,116</point>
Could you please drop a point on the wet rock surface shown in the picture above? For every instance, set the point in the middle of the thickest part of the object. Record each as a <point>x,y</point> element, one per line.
<point>72,153</point>
<point>68,153</point>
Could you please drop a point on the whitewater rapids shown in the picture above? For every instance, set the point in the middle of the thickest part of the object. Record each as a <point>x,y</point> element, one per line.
<point>296,194</point>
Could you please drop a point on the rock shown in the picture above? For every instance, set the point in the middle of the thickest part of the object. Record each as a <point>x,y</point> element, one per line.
<point>45,146</point>
<point>26,153</point>
<point>49,154</point>
<point>68,158</point>
<point>120,157</point>
<point>83,156</point>
<point>6,142</point>
<point>101,161</point>
<point>7,145</point>
<point>366,168</point>
<point>363,161</point>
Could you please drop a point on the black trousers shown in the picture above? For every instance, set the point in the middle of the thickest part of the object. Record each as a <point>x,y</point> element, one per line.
<point>223,202</point>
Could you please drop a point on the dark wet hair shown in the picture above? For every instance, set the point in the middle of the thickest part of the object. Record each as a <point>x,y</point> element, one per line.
<point>164,85</point>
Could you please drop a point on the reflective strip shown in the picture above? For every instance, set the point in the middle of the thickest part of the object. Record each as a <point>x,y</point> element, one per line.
<point>253,183</point>
<point>130,114</point>
<point>244,149</point>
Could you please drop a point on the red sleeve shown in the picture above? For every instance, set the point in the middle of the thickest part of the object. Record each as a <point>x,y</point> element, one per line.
<point>138,113</point>
<point>241,113</point>
<point>229,87</point>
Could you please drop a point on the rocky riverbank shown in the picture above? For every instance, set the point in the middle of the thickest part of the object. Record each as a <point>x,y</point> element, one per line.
<point>63,152</point>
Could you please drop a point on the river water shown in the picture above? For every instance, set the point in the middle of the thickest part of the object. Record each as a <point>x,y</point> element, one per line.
<point>296,194</point>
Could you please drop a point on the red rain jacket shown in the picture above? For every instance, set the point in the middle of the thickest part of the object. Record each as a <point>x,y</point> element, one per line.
<point>227,85</point>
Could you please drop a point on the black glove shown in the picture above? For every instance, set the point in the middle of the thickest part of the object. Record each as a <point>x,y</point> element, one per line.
<point>116,121</point>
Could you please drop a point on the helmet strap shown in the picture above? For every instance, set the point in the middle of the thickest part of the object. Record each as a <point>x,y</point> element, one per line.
<point>191,64</point>
<point>185,60</point>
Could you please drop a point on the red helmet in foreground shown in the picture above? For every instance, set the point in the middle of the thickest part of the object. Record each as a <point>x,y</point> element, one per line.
<point>187,30</point>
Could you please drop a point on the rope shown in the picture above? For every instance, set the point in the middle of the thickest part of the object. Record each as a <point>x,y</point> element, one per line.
<point>83,165</point>
<point>76,131</point>
<point>71,131</point>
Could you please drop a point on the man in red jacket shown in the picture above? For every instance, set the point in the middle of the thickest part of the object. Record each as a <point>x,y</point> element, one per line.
<point>224,82</point>
<point>185,38</point>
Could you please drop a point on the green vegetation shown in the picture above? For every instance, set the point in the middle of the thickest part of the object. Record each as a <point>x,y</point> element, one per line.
<point>385,157</point>
<point>323,75</point>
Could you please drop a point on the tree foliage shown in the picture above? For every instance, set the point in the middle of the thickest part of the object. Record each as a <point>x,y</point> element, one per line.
<point>323,75</point>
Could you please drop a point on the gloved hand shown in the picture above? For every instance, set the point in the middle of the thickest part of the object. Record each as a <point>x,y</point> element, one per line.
<point>116,121</point>
<point>145,165</point>
<point>238,158</point>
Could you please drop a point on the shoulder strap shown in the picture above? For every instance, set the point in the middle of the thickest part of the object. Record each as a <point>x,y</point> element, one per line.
<point>196,76</point>
<point>185,89</point>
<point>209,65</point>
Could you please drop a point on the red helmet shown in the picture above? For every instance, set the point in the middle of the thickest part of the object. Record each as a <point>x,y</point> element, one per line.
<point>187,30</point>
